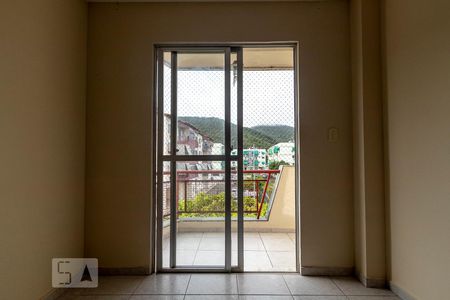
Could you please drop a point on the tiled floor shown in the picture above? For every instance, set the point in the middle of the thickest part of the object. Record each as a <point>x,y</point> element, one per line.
<point>266,252</point>
<point>228,286</point>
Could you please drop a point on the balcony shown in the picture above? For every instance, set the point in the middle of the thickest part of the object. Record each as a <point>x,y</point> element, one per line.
<point>269,218</point>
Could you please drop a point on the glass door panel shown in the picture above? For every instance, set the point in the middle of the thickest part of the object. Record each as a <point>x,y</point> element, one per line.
<point>200,193</point>
<point>201,104</point>
<point>269,158</point>
<point>195,147</point>
<point>166,211</point>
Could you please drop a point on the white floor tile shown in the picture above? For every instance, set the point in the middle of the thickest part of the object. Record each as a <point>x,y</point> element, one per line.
<point>278,244</point>
<point>256,259</point>
<point>227,286</point>
<point>164,284</point>
<point>320,297</point>
<point>209,258</point>
<point>211,297</point>
<point>192,246</point>
<point>282,259</point>
<point>212,284</point>
<point>212,244</point>
<point>166,243</point>
<point>190,234</point>
<point>274,235</point>
<point>157,297</point>
<point>292,236</point>
<point>264,297</point>
<point>373,298</point>
<point>253,244</point>
<point>184,258</point>
<point>307,285</point>
<point>214,234</point>
<point>112,285</point>
<point>188,243</point>
<point>262,284</point>
<point>69,296</point>
<point>251,234</point>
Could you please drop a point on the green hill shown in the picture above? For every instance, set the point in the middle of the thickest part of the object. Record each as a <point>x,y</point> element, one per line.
<point>259,136</point>
<point>280,133</point>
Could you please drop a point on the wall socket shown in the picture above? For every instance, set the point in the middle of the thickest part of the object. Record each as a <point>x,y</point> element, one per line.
<point>333,134</point>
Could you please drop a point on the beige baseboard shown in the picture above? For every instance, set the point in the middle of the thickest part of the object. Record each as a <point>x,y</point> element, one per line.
<point>401,293</point>
<point>379,283</point>
<point>326,271</point>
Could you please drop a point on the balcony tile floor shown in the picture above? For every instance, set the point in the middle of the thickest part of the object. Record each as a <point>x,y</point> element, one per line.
<point>263,252</point>
<point>248,286</point>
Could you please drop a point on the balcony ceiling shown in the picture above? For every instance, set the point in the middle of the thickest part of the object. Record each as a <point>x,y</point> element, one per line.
<point>254,59</point>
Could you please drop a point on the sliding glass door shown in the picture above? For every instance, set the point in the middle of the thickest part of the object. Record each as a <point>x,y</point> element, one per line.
<point>194,161</point>
<point>216,168</point>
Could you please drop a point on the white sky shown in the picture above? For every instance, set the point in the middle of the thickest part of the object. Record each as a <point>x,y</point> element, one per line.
<point>268,96</point>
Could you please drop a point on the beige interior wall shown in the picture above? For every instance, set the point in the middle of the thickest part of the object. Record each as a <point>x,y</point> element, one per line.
<point>418,105</point>
<point>119,116</point>
<point>42,104</point>
<point>358,137</point>
<point>370,251</point>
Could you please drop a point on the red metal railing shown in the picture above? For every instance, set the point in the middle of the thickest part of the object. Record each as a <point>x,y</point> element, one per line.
<point>191,183</point>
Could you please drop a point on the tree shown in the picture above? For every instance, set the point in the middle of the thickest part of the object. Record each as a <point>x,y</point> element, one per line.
<point>275,165</point>
<point>206,205</point>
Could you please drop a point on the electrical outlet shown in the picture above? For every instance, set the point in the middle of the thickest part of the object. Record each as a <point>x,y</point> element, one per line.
<point>333,135</point>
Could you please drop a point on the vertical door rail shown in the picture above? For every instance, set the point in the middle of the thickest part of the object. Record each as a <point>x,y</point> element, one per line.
<point>173,163</point>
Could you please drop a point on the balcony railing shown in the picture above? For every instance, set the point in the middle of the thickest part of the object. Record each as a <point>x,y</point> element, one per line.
<point>201,193</point>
